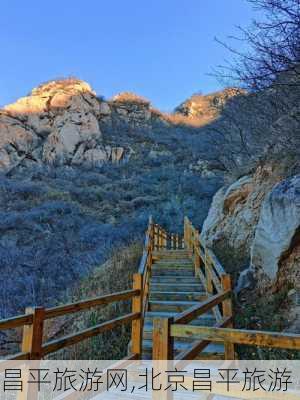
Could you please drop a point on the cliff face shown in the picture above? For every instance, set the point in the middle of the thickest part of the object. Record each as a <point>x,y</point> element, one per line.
<point>59,123</point>
<point>258,217</point>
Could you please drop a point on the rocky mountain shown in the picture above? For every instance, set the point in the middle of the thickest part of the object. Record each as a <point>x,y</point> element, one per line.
<point>80,174</point>
<point>206,108</point>
<point>63,122</point>
<point>60,123</point>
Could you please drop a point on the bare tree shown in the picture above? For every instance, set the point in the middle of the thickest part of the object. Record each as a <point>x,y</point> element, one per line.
<point>266,121</point>
<point>274,47</point>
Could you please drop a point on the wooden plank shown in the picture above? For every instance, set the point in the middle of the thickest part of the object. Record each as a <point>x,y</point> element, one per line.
<point>197,258</point>
<point>217,265</point>
<point>202,277</point>
<point>185,232</point>
<point>216,280</point>
<point>163,343</point>
<point>69,340</point>
<point>239,336</point>
<point>137,324</point>
<point>143,262</point>
<point>201,308</point>
<point>209,286</point>
<point>33,334</point>
<point>221,392</point>
<point>73,394</point>
<point>86,304</point>
<point>227,312</point>
<point>16,322</point>
<point>18,356</point>
<point>32,343</point>
<point>198,346</point>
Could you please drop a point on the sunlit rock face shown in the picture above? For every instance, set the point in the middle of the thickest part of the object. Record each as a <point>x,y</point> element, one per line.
<point>275,249</point>
<point>64,122</point>
<point>57,123</point>
<point>207,108</point>
<point>257,221</point>
<point>16,140</point>
<point>233,217</point>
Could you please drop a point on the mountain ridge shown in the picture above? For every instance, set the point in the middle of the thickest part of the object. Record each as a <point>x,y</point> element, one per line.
<point>63,121</point>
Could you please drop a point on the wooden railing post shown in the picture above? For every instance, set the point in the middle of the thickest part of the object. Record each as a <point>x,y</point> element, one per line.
<point>151,235</point>
<point>209,285</point>
<point>137,324</point>
<point>163,353</point>
<point>160,238</point>
<point>155,236</point>
<point>32,339</point>
<point>165,240</point>
<point>185,232</point>
<point>227,312</point>
<point>163,342</point>
<point>197,258</point>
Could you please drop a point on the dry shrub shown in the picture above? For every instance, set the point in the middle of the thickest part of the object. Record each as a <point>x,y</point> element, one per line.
<point>113,276</point>
<point>129,97</point>
<point>178,119</point>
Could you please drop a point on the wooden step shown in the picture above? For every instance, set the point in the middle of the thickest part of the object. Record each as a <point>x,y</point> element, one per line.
<point>177,296</point>
<point>176,306</point>
<point>204,318</point>
<point>173,264</point>
<point>173,287</point>
<point>174,271</point>
<point>213,349</point>
<point>165,279</point>
<point>172,253</point>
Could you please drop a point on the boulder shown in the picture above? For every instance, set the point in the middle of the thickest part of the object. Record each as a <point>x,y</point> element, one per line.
<point>232,215</point>
<point>230,226</point>
<point>277,228</point>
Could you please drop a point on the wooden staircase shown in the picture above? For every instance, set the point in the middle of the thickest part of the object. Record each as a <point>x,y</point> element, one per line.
<point>181,308</point>
<point>174,288</point>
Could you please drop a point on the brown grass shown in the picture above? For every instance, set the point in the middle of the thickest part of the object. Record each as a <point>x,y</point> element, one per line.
<point>58,83</point>
<point>178,119</point>
<point>129,97</point>
<point>113,276</point>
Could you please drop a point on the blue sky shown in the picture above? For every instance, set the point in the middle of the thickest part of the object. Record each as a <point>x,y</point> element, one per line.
<point>160,49</point>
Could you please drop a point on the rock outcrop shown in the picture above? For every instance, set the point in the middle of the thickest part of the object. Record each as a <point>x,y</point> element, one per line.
<point>64,122</point>
<point>207,107</point>
<point>276,241</point>
<point>235,210</point>
<point>257,219</point>
<point>58,123</point>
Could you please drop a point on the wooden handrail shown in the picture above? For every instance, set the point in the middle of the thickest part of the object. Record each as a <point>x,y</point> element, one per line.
<point>15,322</point>
<point>201,308</point>
<point>33,321</point>
<point>219,291</point>
<point>199,346</point>
<point>69,340</point>
<point>238,336</point>
<point>27,319</point>
<point>89,303</point>
<point>18,356</point>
